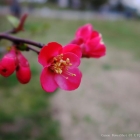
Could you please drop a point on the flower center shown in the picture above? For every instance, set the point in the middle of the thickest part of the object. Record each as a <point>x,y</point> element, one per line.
<point>59,65</point>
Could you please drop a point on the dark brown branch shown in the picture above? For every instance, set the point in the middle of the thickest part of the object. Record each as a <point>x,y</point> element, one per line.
<point>30,48</point>
<point>20,40</point>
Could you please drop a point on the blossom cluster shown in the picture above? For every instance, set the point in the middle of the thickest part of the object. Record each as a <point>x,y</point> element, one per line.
<point>90,41</point>
<point>14,61</point>
<point>60,63</point>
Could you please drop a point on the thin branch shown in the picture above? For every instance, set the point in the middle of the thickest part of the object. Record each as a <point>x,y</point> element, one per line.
<point>20,40</point>
<point>30,48</point>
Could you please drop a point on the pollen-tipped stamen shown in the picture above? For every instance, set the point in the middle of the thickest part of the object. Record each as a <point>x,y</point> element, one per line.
<point>59,65</point>
<point>65,77</point>
<point>69,73</point>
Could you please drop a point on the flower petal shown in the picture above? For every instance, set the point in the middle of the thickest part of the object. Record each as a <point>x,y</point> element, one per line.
<point>22,60</point>
<point>74,59</point>
<point>95,34</point>
<point>72,82</point>
<point>49,51</point>
<point>73,48</point>
<point>101,51</point>
<point>47,80</point>
<point>93,43</point>
<point>84,31</point>
<point>78,41</point>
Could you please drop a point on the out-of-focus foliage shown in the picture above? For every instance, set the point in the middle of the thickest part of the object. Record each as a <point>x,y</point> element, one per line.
<point>36,27</point>
<point>14,21</point>
<point>25,111</point>
<point>52,1</point>
<point>93,3</point>
<point>2,2</point>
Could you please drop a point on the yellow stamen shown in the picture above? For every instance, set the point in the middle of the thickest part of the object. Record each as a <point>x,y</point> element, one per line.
<point>59,65</point>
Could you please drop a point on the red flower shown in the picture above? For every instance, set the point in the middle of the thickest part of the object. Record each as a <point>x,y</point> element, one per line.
<point>90,42</point>
<point>12,61</point>
<point>60,67</point>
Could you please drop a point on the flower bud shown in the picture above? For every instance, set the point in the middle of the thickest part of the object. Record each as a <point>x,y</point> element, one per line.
<point>23,72</point>
<point>8,64</point>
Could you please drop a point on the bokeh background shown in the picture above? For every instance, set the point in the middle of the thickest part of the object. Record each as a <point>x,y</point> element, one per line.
<point>107,101</point>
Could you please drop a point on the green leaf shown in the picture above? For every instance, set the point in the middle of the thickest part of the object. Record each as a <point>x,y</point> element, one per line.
<point>22,47</point>
<point>13,20</point>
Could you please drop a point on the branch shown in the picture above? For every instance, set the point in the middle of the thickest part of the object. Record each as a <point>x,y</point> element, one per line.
<point>20,40</point>
<point>30,48</point>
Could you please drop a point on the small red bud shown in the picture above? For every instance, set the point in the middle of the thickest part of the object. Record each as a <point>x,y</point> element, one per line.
<point>23,72</point>
<point>8,64</point>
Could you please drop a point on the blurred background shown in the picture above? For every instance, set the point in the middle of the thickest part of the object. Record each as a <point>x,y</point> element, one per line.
<point>107,101</point>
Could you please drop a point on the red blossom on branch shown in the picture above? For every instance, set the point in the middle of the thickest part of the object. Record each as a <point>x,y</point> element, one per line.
<point>60,64</point>
<point>60,67</point>
<point>90,42</point>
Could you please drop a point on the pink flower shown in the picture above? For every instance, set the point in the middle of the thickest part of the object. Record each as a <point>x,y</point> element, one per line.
<point>23,72</point>
<point>8,64</point>
<point>90,42</point>
<point>60,67</point>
